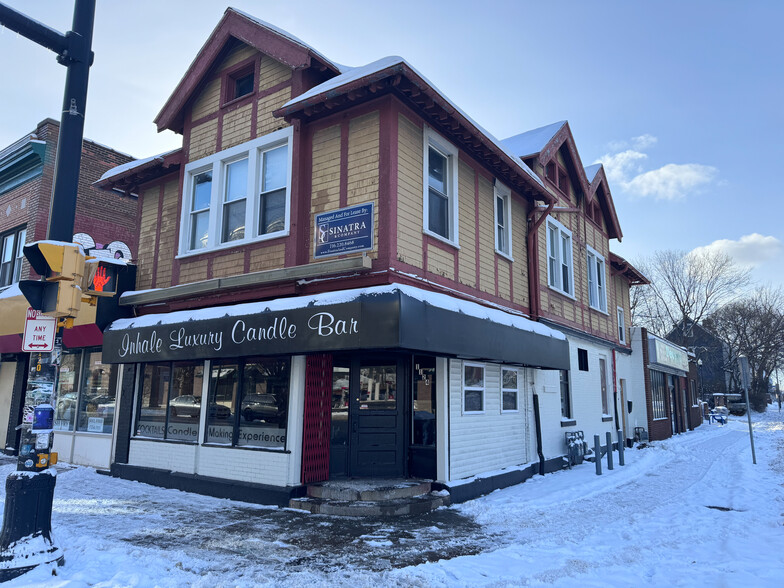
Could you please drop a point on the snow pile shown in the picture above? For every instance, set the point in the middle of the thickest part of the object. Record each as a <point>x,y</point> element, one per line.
<point>690,511</point>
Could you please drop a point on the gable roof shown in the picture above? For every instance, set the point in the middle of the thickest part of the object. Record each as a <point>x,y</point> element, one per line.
<point>533,141</point>
<point>271,40</point>
<point>389,72</point>
<point>627,270</point>
<point>597,178</point>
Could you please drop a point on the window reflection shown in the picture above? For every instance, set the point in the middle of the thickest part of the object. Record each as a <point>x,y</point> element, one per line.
<point>98,392</point>
<point>378,387</point>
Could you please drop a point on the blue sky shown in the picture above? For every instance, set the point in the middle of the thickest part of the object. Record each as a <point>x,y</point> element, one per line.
<point>682,100</point>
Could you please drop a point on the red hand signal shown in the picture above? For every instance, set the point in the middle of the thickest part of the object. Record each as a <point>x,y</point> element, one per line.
<point>100,279</point>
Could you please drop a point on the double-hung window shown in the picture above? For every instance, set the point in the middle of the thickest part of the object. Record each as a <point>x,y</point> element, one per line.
<point>509,390</point>
<point>503,220</point>
<point>239,195</point>
<point>621,326</point>
<point>560,274</point>
<point>11,256</point>
<point>473,388</point>
<point>597,289</point>
<point>440,183</point>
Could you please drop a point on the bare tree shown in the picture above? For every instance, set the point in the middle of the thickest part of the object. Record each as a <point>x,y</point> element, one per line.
<point>685,288</point>
<point>754,327</point>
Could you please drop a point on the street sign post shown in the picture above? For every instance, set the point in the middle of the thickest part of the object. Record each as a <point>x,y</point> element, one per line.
<point>39,331</point>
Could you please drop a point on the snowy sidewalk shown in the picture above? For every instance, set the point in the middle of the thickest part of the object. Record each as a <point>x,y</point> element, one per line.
<point>689,511</point>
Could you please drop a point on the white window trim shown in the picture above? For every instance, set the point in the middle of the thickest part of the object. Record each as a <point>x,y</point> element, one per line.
<point>217,163</point>
<point>504,193</point>
<point>433,139</point>
<point>621,325</point>
<point>483,388</point>
<point>592,256</point>
<point>562,230</point>
<point>515,390</point>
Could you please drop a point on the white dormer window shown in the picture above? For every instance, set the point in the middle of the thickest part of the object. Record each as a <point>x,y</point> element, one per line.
<point>240,195</point>
<point>440,187</point>
<point>597,288</point>
<point>503,220</point>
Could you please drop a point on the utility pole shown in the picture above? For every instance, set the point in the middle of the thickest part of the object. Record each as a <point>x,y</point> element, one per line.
<point>26,539</point>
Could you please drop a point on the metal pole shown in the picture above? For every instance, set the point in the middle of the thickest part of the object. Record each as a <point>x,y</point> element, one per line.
<point>597,453</point>
<point>77,59</point>
<point>621,443</point>
<point>609,451</point>
<point>751,432</point>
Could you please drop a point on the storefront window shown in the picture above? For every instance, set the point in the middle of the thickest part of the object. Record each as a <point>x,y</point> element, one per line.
<point>185,401</point>
<point>265,401</point>
<point>424,429</point>
<point>98,391</point>
<point>151,419</point>
<point>224,389</point>
<point>67,391</point>
<point>659,395</point>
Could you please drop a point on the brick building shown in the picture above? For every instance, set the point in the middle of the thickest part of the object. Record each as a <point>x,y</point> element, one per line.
<point>343,275</point>
<point>105,225</point>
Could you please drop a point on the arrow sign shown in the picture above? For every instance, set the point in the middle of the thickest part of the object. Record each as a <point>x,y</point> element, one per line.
<point>39,331</point>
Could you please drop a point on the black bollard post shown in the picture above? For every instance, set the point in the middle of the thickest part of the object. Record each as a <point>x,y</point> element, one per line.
<point>621,460</point>
<point>609,451</point>
<point>597,453</point>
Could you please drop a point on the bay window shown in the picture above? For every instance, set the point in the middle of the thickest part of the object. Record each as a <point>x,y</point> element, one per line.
<point>240,195</point>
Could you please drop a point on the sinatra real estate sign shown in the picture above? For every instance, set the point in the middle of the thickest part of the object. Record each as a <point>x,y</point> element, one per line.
<point>344,231</point>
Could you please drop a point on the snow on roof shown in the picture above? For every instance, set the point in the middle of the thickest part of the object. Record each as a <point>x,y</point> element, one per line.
<point>134,164</point>
<point>357,73</point>
<point>592,170</point>
<point>443,301</point>
<point>532,141</point>
<point>290,37</point>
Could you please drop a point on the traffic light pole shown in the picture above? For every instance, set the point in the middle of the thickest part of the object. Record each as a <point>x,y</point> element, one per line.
<point>25,539</point>
<point>74,51</point>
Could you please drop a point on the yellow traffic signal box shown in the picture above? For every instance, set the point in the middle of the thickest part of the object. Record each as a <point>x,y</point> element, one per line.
<point>61,267</point>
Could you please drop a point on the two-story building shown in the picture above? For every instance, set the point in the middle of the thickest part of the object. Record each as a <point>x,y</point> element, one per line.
<point>342,275</point>
<point>105,226</point>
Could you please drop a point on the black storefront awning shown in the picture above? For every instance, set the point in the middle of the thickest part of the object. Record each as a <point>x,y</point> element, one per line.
<point>385,317</point>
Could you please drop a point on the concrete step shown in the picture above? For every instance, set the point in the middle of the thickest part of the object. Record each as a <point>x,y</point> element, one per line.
<point>370,491</point>
<point>411,505</point>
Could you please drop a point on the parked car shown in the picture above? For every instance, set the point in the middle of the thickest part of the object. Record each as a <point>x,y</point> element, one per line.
<point>260,407</point>
<point>188,405</point>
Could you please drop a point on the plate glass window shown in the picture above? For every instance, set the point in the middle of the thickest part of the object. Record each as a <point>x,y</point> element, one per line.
<point>566,402</point>
<point>97,395</point>
<point>152,400</point>
<point>265,401</point>
<point>185,401</point>
<point>67,390</point>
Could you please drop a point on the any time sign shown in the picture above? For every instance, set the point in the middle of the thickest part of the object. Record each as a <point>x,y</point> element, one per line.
<point>39,331</point>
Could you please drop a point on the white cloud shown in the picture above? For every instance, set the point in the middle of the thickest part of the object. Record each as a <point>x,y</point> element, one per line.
<point>624,169</point>
<point>748,251</point>
<point>643,141</point>
<point>671,181</point>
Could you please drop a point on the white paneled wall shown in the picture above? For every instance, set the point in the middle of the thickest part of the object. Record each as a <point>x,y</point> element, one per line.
<point>491,440</point>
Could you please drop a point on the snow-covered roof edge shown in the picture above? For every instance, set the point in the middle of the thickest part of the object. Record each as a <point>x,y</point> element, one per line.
<point>290,37</point>
<point>533,141</point>
<point>358,73</point>
<point>434,298</point>
<point>134,164</point>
